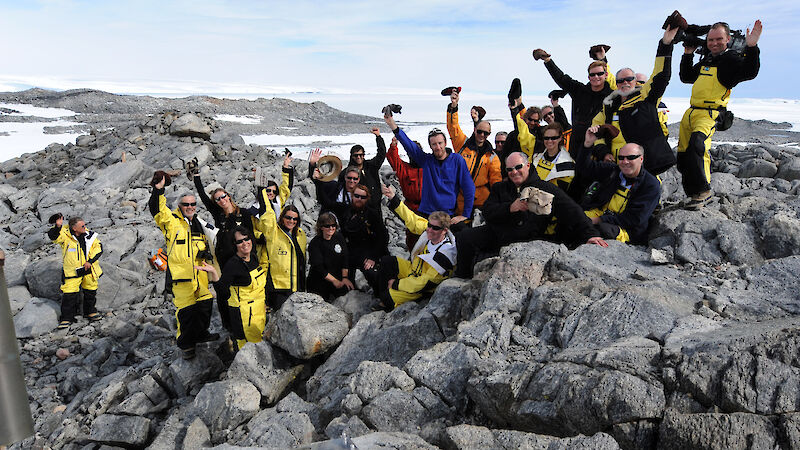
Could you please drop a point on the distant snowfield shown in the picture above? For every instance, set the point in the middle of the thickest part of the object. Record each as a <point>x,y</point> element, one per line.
<point>19,138</point>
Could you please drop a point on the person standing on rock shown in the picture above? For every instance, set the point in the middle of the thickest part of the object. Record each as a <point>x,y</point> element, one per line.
<point>187,248</point>
<point>286,245</point>
<point>246,282</point>
<point>432,258</point>
<point>509,218</point>
<point>80,250</point>
<point>712,80</point>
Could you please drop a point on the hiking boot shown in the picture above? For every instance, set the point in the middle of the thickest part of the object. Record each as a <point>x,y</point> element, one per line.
<point>188,353</point>
<point>698,201</point>
<point>209,337</point>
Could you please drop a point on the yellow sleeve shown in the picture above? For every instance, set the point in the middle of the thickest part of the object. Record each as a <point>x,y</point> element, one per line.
<point>456,134</point>
<point>164,218</point>
<point>611,78</point>
<point>283,189</point>
<point>63,235</point>
<point>413,222</point>
<point>527,141</point>
<point>267,223</point>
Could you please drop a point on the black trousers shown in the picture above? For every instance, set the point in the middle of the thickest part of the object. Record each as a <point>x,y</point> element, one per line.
<point>223,294</point>
<point>69,304</point>
<point>193,323</point>
<point>471,243</point>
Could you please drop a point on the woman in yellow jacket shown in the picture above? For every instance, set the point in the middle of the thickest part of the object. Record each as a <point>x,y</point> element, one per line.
<point>80,250</point>
<point>286,247</point>
<point>246,280</point>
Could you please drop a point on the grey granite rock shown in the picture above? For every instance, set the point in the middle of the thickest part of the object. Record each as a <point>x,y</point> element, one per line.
<point>39,316</point>
<point>306,326</point>
<point>120,430</point>
<point>258,364</point>
<point>224,405</point>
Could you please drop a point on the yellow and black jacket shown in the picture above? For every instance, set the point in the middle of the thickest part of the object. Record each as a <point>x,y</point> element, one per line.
<point>714,76</point>
<point>75,253</point>
<point>636,116</point>
<point>287,258</point>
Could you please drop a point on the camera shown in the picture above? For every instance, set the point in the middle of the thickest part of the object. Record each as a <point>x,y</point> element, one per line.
<point>694,36</point>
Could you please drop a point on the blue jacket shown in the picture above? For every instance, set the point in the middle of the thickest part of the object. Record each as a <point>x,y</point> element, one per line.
<point>441,180</point>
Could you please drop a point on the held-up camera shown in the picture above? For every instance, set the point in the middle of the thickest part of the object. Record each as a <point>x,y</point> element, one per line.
<point>695,36</point>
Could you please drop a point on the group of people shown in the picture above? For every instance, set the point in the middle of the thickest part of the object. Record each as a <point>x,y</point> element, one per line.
<point>584,182</point>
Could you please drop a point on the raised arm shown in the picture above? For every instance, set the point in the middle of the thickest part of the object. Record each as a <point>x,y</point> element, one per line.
<point>453,128</point>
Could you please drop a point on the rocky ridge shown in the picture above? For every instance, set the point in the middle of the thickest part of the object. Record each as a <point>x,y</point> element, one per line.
<point>690,342</point>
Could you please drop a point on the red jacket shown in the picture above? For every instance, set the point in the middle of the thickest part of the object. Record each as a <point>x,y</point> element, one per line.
<point>410,178</point>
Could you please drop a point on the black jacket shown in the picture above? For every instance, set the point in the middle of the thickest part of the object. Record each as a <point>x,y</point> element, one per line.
<point>573,228</point>
<point>370,173</point>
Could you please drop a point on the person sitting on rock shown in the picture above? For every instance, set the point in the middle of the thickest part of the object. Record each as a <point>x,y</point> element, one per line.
<point>623,196</point>
<point>482,163</point>
<point>509,217</point>
<point>188,247</point>
<point>80,251</point>
<point>329,275</point>
<point>286,245</point>
<point>554,164</point>
<point>432,258</point>
<point>369,169</point>
<point>246,282</point>
<point>409,175</point>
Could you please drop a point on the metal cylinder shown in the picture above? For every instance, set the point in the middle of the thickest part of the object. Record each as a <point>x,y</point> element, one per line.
<point>16,423</point>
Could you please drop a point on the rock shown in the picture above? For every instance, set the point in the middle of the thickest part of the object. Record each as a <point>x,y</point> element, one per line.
<point>283,430</point>
<point>119,176</point>
<point>757,168</point>
<point>43,278</point>
<point>14,269</point>
<point>352,427</point>
<point>789,169</point>
<point>18,297</point>
<point>307,326</point>
<point>397,410</point>
<point>190,125</point>
<point>258,364</point>
<point>226,404</point>
<point>85,140</point>
<point>444,369</point>
<point>39,316</point>
<point>197,435</point>
<point>120,430</point>
<point>405,441</point>
<point>781,235</point>
<point>375,378</point>
<point>293,403</point>
<point>186,375</point>
<point>356,304</point>
<point>470,437</point>
<point>62,353</point>
<point>716,431</point>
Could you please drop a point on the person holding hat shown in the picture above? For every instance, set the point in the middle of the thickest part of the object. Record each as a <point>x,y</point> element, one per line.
<point>477,151</point>
<point>80,250</point>
<point>189,241</point>
<point>633,109</point>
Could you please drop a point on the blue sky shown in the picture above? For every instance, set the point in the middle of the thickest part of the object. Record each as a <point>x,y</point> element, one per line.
<point>359,46</point>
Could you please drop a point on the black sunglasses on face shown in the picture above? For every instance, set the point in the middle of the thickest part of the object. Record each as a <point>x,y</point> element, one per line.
<point>435,227</point>
<point>551,138</point>
<point>629,157</point>
<point>551,113</point>
<point>483,132</point>
<point>271,191</point>
<point>292,218</point>
<point>596,74</point>
<point>517,167</point>
<point>220,197</point>
<point>330,225</point>
<point>625,80</point>
<point>352,178</point>
<point>359,196</point>
<point>357,155</point>
<point>189,204</point>
<point>242,240</point>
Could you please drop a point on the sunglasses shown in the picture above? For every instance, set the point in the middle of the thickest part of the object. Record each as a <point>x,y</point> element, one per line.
<point>189,204</point>
<point>221,197</point>
<point>357,155</point>
<point>292,218</point>
<point>551,113</point>
<point>359,196</point>
<point>352,178</point>
<point>551,138</point>
<point>483,132</point>
<point>596,74</point>
<point>435,227</point>
<point>271,191</point>
<point>625,80</point>
<point>629,157</point>
<point>330,225</point>
<point>517,167</point>
<point>242,240</point>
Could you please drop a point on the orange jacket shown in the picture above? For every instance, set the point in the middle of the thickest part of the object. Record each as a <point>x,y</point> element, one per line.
<point>483,164</point>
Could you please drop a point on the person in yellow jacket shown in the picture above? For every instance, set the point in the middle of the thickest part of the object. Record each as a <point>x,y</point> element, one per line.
<point>482,162</point>
<point>286,247</point>
<point>712,80</point>
<point>432,258</point>
<point>80,250</point>
<point>246,281</point>
<point>187,248</point>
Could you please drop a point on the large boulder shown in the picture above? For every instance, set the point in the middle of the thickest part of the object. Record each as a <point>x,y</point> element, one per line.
<point>307,326</point>
<point>43,278</point>
<point>280,429</point>
<point>258,364</point>
<point>444,369</point>
<point>39,316</point>
<point>129,431</point>
<point>190,125</point>
<point>717,431</point>
<point>471,437</point>
<point>119,176</point>
<point>227,404</point>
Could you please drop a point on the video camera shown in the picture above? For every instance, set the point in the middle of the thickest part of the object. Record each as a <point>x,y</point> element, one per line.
<point>694,36</point>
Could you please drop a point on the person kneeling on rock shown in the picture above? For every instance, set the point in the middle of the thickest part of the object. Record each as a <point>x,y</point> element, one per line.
<point>80,250</point>
<point>246,281</point>
<point>432,258</point>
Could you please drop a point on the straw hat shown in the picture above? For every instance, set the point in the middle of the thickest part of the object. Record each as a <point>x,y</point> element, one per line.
<point>329,167</point>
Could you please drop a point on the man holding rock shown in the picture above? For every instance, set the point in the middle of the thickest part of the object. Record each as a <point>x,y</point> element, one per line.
<point>80,250</point>
<point>712,80</point>
<point>187,250</point>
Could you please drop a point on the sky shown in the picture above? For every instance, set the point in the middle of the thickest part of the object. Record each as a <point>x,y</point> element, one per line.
<point>250,47</point>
